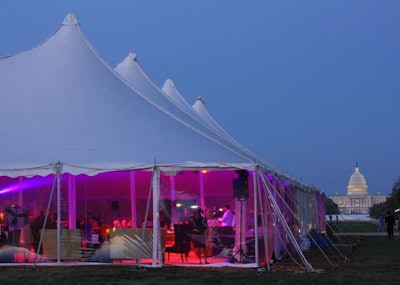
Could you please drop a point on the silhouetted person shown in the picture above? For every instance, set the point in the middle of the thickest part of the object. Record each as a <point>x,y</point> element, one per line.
<point>390,222</point>
<point>199,236</point>
<point>37,226</point>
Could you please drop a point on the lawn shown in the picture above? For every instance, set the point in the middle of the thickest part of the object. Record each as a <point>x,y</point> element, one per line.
<point>354,226</point>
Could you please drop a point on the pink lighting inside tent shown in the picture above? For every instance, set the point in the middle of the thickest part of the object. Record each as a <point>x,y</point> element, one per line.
<point>9,189</point>
<point>27,184</point>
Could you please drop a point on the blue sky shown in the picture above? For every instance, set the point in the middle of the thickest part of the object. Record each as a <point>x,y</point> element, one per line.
<point>311,86</point>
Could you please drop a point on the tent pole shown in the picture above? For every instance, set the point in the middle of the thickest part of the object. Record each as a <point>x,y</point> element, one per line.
<point>20,192</point>
<point>255,218</point>
<point>132,186</point>
<point>144,225</point>
<point>58,168</point>
<point>156,220</point>
<point>278,243</point>
<point>71,202</point>
<point>173,198</point>
<point>44,223</point>
<point>263,221</point>
<point>201,182</point>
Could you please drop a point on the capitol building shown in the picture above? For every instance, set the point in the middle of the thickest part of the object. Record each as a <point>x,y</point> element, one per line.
<point>357,200</point>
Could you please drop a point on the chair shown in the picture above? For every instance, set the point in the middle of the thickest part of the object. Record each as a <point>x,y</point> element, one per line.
<point>182,241</point>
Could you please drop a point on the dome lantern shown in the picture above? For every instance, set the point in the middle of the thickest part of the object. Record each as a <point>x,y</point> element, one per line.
<point>357,184</point>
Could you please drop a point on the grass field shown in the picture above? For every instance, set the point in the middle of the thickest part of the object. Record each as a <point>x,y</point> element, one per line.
<point>374,260</point>
<point>354,226</point>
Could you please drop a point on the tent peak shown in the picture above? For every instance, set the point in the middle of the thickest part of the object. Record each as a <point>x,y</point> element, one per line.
<point>201,99</point>
<point>131,56</point>
<point>70,20</point>
<point>127,62</point>
<point>168,84</point>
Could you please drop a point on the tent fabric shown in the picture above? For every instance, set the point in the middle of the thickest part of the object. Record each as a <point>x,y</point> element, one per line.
<point>173,93</point>
<point>67,111</point>
<point>63,103</point>
<point>139,81</point>
<point>200,112</point>
<point>199,107</point>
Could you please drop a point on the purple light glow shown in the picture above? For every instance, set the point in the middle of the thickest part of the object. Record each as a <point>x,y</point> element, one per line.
<point>270,177</point>
<point>9,189</point>
<point>27,183</point>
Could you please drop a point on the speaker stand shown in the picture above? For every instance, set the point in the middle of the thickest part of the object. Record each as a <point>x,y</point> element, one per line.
<point>240,252</point>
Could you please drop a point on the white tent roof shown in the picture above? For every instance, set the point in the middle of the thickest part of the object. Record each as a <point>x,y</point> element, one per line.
<point>173,93</point>
<point>201,113</point>
<point>199,107</point>
<point>136,78</point>
<point>61,102</point>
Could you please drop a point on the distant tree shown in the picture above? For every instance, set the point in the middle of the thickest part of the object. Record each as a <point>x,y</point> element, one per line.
<point>331,208</point>
<point>392,203</point>
<point>396,193</point>
<point>377,209</point>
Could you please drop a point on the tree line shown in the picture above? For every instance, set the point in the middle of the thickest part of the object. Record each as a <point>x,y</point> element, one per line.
<point>392,203</point>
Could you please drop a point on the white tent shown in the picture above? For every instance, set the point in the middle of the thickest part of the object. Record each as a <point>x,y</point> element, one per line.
<point>66,111</point>
<point>63,103</point>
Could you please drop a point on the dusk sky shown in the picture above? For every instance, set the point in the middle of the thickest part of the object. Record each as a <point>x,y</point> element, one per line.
<point>311,86</point>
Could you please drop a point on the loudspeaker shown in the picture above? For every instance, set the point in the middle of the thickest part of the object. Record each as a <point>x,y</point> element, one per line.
<point>240,188</point>
<point>243,174</point>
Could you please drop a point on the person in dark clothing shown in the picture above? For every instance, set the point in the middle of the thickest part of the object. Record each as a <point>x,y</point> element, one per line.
<point>199,223</point>
<point>37,226</point>
<point>390,222</point>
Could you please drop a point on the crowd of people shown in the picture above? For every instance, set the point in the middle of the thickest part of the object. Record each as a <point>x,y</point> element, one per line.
<point>93,228</point>
<point>27,233</point>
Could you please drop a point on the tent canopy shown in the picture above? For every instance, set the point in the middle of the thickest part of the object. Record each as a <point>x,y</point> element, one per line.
<point>62,102</point>
<point>64,106</point>
<point>138,80</point>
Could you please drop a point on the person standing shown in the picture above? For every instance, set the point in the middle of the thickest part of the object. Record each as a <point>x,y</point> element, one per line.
<point>26,237</point>
<point>199,224</point>
<point>37,226</point>
<point>390,222</point>
<point>227,217</point>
